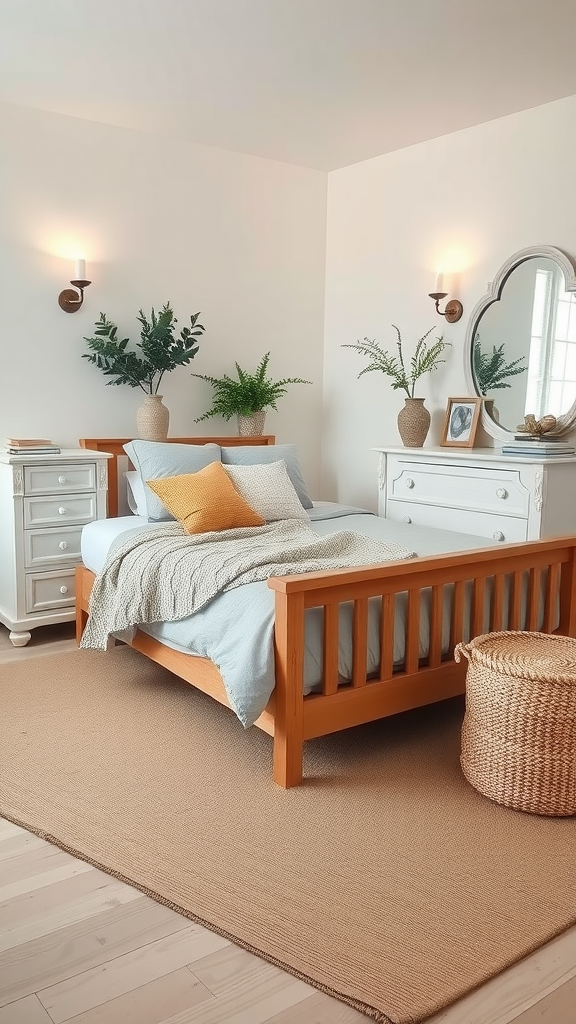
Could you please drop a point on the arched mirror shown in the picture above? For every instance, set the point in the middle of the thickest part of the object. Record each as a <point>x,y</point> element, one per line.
<point>520,346</point>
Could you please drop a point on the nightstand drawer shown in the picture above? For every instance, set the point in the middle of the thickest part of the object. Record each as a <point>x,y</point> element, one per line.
<point>485,490</point>
<point>504,529</point>
<point>68,509</point>
<point>45,590</point>
<point>60,479</point>
<point>43,548</point>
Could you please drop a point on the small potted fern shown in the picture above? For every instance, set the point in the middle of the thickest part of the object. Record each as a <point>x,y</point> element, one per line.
<point>246,396</point>
<point>414,418</point>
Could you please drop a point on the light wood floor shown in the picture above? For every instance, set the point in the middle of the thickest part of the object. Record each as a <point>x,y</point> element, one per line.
<point>78,946</point>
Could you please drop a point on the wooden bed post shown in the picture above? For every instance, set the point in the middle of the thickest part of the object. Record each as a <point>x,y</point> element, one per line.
<point>567,624</point>
<point>288,694</point>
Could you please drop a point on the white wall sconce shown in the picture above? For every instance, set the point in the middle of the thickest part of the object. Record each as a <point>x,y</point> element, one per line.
<point>70,300</point>
<point>453,309</point>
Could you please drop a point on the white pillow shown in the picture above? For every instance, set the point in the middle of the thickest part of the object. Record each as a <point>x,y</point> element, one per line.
<point>269,490</point>
<point>136,494</point>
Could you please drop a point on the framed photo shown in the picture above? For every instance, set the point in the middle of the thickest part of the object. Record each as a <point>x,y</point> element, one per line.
<point>461,423</point>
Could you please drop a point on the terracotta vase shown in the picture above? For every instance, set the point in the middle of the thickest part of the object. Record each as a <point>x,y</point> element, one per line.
<point>152,419</point>
<point>413,423</point>
<point>252,425</point>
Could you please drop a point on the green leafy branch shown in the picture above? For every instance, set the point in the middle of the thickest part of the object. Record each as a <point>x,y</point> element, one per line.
<point>426,358</point>
<point>160,350</point>
<point>246,394</point>
<point>491,368</point>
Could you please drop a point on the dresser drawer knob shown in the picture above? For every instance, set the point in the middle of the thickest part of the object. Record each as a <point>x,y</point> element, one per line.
<point>502,492</point>
<point>63,590</point>
<point>63,545</point>
<point>62,511</point>
<point>61,479</point>
<point>406,519</point>
<point>409,482</point>
<point>498,535</point>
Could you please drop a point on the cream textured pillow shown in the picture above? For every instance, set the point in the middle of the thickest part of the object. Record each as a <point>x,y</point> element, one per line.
<point>205,501</point>
<point>268,489</point>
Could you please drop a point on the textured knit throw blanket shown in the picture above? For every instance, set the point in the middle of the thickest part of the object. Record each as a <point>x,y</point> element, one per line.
<point>165,574</point>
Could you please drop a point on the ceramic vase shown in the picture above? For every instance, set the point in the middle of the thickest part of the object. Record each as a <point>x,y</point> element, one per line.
<point>152,419</point>
<point>413,423</point>
<point>252,425</point>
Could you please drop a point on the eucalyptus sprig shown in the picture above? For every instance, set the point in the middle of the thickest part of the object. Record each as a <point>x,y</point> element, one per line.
<point>161,351</point>
<point>425,359</point>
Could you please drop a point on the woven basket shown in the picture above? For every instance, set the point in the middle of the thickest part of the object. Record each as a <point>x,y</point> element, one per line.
<point>519,730</point>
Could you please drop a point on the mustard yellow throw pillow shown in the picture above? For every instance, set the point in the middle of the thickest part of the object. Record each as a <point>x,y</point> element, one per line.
<point>204,501</point>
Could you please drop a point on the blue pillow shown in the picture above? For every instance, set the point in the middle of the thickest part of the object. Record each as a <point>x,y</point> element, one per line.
<point>256,455</point>
<point>153,459</point>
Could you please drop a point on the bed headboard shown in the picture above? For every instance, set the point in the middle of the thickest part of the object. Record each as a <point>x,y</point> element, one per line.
<point>115,446</point>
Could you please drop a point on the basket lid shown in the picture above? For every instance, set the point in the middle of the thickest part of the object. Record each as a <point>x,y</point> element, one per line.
<point>538,656</point>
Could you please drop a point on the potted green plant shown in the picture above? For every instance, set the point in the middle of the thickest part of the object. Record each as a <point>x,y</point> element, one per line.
<point>246,396</point>
<point>159,351</point>
<point>414,418</point>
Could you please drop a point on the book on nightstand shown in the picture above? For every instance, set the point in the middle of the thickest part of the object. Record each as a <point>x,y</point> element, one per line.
<point>30,446</point>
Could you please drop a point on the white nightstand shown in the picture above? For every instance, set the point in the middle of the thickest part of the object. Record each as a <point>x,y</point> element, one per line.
<point>45,500</point>
<point>479,491</point>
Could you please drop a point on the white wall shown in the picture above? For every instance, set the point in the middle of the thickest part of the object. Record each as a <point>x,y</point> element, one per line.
<point>240,238</point>
<point>465,202</point>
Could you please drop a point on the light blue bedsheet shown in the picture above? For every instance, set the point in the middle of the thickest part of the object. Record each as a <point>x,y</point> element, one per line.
<point>236,630</point>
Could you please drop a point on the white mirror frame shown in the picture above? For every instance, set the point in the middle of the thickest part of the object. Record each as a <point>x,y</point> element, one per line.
<point>568,266</point>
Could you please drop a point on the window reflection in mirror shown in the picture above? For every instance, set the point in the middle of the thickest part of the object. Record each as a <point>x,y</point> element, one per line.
<point>524,350</point>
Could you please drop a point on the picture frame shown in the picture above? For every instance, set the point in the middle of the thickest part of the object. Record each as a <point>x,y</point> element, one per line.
<point>461,422</point>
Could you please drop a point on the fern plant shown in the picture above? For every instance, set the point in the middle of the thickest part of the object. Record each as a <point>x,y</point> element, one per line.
<point>491,368</point>
<point>160,350</point>
<point>246,393</point>
<point>403,376</point>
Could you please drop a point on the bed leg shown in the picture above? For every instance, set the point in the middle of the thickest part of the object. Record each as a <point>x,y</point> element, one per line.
<point>288,693</point>
<point>287,761</point>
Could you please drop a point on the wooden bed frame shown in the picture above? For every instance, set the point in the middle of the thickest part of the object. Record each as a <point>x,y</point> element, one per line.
<point>514,585</point>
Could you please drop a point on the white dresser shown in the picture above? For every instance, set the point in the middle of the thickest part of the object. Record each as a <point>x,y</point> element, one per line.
<point>479,491</point>
<point>45,500</point>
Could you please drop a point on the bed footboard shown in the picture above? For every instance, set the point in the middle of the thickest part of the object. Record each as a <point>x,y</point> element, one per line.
<point>520,586</point>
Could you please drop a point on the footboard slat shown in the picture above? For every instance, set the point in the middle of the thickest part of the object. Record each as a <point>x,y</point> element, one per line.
<point>387,637</point>
<point>457,614</point>
<point>331,645</point>
<point>435,644</point>
<point>360,642</point>
<point>412,631</point>
<point>497,606</point>
<point>533,598</point>
<point>515,600</point>
<point>478,600</point>
<point>550,597</point>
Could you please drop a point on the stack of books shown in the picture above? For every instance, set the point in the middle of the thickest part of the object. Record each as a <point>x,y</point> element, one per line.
<point>542,446</point>
<point>31,446</point>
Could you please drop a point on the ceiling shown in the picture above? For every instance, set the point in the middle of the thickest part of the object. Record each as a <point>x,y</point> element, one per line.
<point>321,83</point>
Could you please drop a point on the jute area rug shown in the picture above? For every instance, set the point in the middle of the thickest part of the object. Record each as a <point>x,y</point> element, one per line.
<point>385,880</point>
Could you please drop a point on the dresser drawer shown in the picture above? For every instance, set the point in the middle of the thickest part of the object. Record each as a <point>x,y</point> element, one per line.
<point>486,490</point>
<point>60,479</point>
<point>66,509</point>
<point>46,590</point>
<point>505,529</point>
<point>42,548</point>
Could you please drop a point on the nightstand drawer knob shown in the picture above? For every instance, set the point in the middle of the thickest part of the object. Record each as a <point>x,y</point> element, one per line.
<point>406,519</point>
<point>62,511</point>
<point>63,545</point>
<point>502,492</point>
<point>409,481</point>
<point>498,535</point>
<point>61,479</point>
<point>63,590</point>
